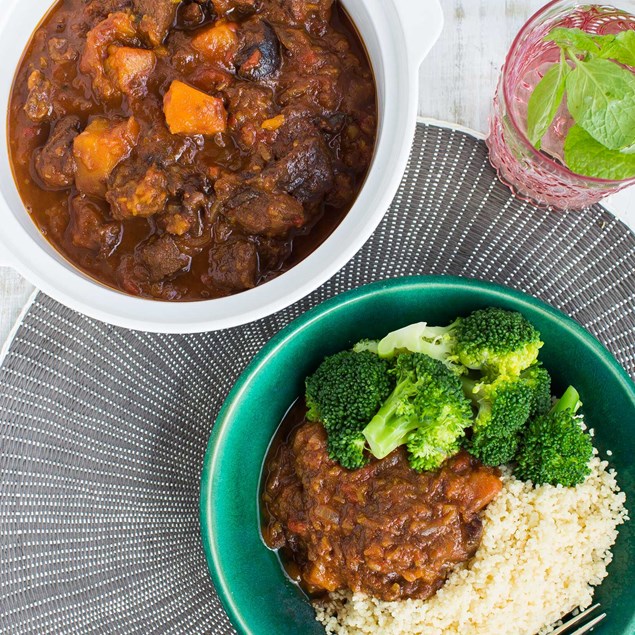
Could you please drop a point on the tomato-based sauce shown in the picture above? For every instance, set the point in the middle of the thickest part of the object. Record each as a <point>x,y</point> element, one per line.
<point>384,529</point>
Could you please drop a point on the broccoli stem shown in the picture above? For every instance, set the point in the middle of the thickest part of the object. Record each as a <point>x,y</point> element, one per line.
<point>388,429</point>
<point>469,384</point>
<point>570,400</point>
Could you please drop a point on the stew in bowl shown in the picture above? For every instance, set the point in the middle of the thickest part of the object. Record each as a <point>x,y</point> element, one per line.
<point>186,150</point>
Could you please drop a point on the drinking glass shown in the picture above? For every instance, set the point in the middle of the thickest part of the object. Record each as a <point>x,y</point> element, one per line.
<point>540,176</point>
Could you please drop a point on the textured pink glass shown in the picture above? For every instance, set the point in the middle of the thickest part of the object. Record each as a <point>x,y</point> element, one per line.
<point>541,177</point>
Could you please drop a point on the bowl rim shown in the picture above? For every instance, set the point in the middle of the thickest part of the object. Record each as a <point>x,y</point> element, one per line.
<point>223,421</point>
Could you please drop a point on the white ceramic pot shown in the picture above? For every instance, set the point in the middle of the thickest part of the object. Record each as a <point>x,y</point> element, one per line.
<point>398,34</point>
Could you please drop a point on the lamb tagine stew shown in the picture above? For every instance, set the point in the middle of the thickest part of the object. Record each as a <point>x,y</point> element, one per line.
<point>184,150</point>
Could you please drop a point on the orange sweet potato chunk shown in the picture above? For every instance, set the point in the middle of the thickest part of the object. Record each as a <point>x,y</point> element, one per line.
<point>131,68</point>
<point>217,43</point>
<point>191,111</point>
<point>97,150</point>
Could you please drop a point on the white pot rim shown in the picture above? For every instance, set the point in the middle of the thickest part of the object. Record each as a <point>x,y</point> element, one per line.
<point>397,36</point>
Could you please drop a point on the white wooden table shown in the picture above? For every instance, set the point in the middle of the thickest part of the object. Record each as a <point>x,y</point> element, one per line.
<point>457,84</point>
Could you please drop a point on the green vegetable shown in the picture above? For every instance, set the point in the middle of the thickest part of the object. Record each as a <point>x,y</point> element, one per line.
<point>601,99</point>
<point>366,345</point>
<point>584,155</point>
<point>344,393</point>
<point>539,381</point>
<point>614,46</point>
<point>619,47</point>
<point>493,340</point>
<point>496,341</point>
<point>504,406</point>
<point>437,342</point>
<point>554,449</point>
<point>545,101</point>
<point>348,448</point>
<point>427,410</point>
<point>576,39</point>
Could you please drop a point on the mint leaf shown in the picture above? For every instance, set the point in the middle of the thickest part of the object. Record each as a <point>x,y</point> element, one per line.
<point>621,48</point>
<point>545,101</point>
<point>601,99</point>
<point>574,38</point>
<point>585,156</point>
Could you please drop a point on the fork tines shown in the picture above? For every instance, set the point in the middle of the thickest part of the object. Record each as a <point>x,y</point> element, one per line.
<point>585,628</point>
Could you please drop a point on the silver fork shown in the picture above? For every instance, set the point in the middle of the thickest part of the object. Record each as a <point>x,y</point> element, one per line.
<point>585,628</point>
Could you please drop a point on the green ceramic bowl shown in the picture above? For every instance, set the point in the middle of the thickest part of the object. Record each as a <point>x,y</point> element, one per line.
<point>258,597</point>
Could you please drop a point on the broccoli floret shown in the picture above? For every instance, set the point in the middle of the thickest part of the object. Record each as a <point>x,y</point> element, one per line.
<point>503,410</point>
<point>427,410</point>
<point>555,449</point>
<point>496,341</point>
<point>437,342</point>
<point>539,381</point>
<point>347,389</point>
<point>430,445</point>
<point>344,393</point>
<point>348,449</point>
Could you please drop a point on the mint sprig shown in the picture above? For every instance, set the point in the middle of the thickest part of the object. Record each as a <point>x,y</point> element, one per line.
<point>584,155</point>
<point>600,96</point>
<point>545,101</point>
<point>620,47</point>
<point>601,99</point>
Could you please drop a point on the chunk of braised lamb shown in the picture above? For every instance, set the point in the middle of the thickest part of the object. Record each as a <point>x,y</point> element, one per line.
<point>272,214</point>
<point>131,275</point>
<point>298,123</point>
<point>177,220</point>
<point>314,15</point>
<point>241,7</point>
<point>159,146</point>
<point>228,184</point>
<point>332,124</point>
<point>190,15</point>
<point>258,54</point>
<point>233,265</point>
<point>307,52</point>
<point>163,258</point>
<point>137,191</point>
<point>312,71</point>
<point>102,9</point>
<point>187,184</point>
<point>39,102</point>
<point>306,172</point>
<point>90,230</point>
<point>249,105</point>
<point>272,253</point>
<point>343,192</point>
<point>118,29</point>
<point>157,18</point>
<point>191,215</point>
<point>61,51</point>
<point>356,148</point>
<point>54,163</point>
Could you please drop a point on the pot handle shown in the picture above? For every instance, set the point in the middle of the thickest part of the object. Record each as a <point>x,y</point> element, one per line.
<point>422,23</point>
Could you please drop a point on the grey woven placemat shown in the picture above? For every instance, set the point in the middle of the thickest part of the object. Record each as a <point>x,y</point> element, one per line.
<point>103,430</point>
